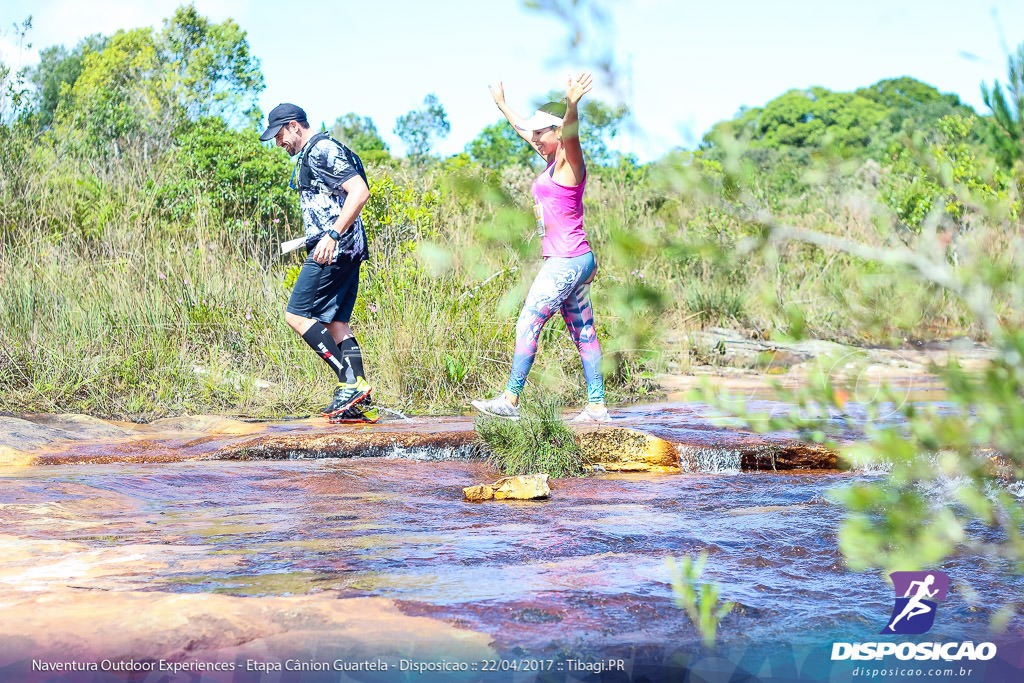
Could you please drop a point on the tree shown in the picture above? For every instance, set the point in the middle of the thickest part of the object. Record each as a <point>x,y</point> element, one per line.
<point>13,88</point>
<point>600,123</point>
<point>143,85</point>
<point>358,133</point>
<point>499,145</point>
<point>860,123</point>
<point>1006,129</point>
<point>904,93</point>
<point>121,97</point>
<point>57,71</point>
<point>212,70</point>
<point>913,107</point>
<point>918,181</point>
<point>809,118</point>
<point>419,128</point>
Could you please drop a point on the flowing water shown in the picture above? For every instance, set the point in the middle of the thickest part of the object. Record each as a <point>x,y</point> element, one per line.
<point>580,573</point>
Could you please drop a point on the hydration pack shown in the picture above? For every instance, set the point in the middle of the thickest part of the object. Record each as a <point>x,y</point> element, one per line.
<point>307,181</point>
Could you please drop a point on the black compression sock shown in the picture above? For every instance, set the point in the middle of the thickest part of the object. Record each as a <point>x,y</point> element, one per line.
<point>350,349</point>
<point>321,341</point>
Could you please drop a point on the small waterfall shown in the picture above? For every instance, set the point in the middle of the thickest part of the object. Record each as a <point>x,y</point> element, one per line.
<point>709,459</point>
<point>467,451</point>
<point>874,469</point>
<point>433,453</point>
<point>944,486</point>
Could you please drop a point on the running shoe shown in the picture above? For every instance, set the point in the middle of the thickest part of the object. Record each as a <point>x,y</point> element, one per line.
<point>599,414</point>
<point>499,406</point>
<point>346,396</point>
<point>357,414</point>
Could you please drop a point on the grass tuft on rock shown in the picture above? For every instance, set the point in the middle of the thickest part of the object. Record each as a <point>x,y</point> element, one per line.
<point>539,442</point>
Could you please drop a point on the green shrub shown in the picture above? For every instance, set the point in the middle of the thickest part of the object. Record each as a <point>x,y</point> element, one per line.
<point>539,441</point>
<point>232,172</point>
<point>922,181</point>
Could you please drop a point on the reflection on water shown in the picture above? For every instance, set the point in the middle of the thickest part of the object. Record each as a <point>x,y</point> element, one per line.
<point>584,569</point>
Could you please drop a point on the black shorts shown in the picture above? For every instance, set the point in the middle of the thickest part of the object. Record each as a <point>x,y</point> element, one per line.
<point>325,292</point>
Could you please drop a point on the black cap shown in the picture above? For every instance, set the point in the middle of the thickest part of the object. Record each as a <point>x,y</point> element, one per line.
<point>280,115</point>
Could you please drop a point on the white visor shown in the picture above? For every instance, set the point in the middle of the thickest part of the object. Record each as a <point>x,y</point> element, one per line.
<point>541,120</point>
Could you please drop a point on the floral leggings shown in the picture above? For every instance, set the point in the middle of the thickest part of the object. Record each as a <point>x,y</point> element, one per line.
<point>560,284</point>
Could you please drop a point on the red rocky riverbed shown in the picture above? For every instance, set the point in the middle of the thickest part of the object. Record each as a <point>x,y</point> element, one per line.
<point>211,540</point>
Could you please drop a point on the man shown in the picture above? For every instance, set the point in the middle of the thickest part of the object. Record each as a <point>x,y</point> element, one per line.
<point>332,191</point>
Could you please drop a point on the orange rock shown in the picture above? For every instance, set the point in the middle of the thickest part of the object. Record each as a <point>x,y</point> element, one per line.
<point>478,493</point>
<point>519,487</point>
<point>618,449</point>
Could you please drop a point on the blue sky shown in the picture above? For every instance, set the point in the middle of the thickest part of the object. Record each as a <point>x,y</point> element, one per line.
<point>684,64</point>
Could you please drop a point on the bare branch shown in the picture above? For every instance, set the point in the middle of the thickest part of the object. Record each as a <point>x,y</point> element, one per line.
<point>976,294</point>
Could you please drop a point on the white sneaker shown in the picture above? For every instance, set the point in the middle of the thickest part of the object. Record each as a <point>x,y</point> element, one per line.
<point>499,406</point>
<point>599,414</point>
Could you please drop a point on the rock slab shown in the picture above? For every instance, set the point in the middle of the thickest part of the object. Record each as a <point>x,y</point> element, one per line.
<point>84,625</point>
<point>519,487</point>
<point>619,449</point>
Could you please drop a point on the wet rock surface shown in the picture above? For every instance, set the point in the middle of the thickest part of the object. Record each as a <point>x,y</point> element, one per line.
<point>87,625</point>
<point>220,559</point>
<point>742,360</point>
<point>667,440</point>
<point>361,442</point>
<point>767,455</point>
<point>519,487</point>
<point>213,539</point>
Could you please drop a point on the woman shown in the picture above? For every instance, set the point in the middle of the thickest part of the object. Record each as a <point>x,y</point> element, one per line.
<point>563,282</point>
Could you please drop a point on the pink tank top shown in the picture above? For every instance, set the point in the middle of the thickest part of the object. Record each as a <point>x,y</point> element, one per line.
<point>561,210</point>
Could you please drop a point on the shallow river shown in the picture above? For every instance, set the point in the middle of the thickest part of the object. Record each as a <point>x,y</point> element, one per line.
<point>581,574</point>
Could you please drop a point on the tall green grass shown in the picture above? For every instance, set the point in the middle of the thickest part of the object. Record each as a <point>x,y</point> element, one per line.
<point>111,305</point>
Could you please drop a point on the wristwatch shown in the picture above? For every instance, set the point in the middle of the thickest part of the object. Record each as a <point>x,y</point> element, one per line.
<point>333,234</point>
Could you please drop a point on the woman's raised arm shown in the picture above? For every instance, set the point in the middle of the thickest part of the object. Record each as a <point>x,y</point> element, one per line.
<point>498,93</point>
<point>574,92</point>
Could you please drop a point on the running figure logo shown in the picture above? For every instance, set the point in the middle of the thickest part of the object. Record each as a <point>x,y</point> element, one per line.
<point>917,596</point>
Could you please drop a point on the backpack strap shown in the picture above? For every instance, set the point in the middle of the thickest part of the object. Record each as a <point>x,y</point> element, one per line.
<point>306,179</point>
